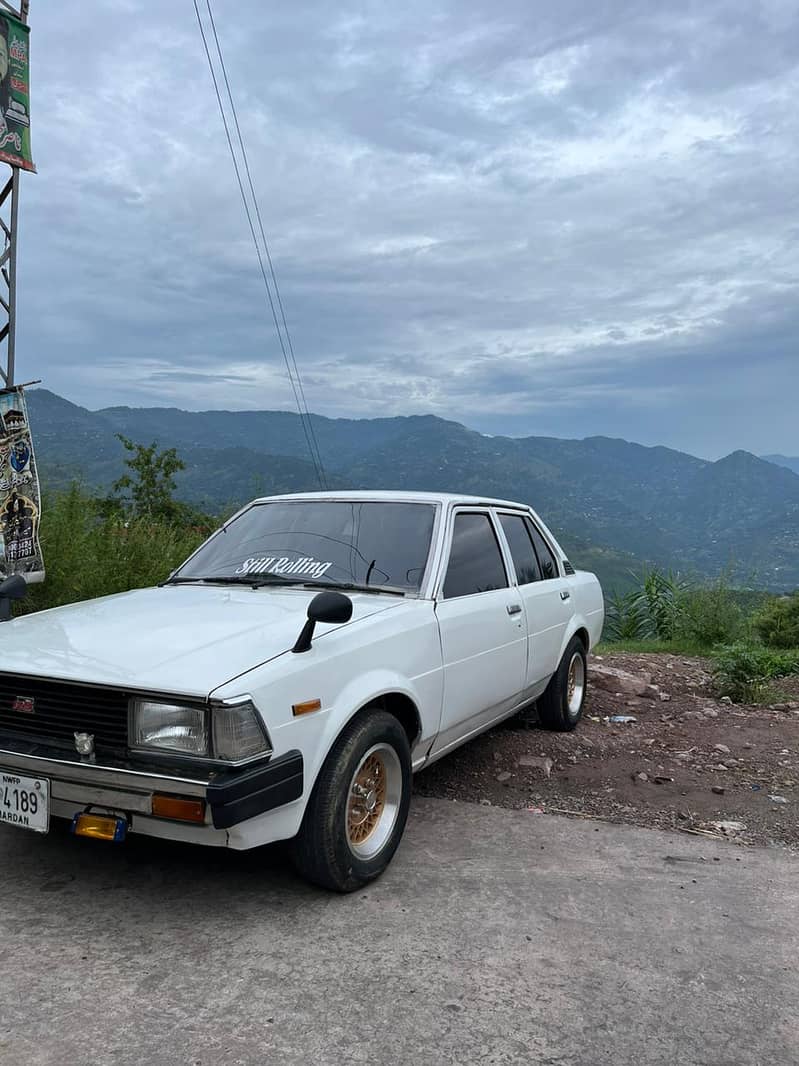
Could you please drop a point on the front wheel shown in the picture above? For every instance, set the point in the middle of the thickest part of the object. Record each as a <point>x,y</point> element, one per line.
<point>561,706</point>
<point>359,805</point>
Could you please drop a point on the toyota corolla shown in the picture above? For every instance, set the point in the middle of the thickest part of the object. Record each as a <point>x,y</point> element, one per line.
<point>289,678</point>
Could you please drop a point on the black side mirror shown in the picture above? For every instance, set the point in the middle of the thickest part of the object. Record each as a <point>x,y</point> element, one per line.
<point>13,588</point>
<point>332,607</point>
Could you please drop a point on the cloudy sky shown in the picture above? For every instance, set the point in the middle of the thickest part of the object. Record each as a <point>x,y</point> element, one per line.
<point>561,219</point>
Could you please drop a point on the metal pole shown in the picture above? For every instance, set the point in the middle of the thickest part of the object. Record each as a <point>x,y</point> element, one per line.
<point>8,260</point>
<point>12,279</point>
<point>12,266</point>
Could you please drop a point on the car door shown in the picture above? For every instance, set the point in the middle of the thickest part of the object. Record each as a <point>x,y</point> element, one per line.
<point>545,593</point>
<point>482,627</point>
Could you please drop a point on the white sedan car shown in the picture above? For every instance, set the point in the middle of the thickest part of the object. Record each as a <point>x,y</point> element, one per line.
<point>288,679</point>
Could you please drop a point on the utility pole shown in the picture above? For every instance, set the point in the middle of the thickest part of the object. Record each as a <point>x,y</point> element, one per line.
<point>20,497</point>
<point>9,207</point>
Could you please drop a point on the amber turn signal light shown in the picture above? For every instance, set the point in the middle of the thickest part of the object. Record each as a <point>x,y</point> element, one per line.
<point>307,707</point>
<point>179,810</point>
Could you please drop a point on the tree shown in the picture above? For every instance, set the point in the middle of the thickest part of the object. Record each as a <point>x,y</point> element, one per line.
<point>148,490</point>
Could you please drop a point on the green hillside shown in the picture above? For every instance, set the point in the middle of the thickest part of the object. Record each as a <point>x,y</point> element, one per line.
<point>616,505</point>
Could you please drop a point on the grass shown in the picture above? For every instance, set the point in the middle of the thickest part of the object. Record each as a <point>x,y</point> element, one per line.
<point>661,647</point>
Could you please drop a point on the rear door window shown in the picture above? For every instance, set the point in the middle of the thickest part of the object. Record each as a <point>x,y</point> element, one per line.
<point>475,561</point>
<point>521,548</point>
<point>546,560</point>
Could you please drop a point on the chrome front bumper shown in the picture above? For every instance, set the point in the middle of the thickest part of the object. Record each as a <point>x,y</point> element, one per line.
<point>231,796</point>
<point>72,778</point>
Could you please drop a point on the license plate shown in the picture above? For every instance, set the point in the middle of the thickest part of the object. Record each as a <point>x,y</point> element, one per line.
<point>25,801</point>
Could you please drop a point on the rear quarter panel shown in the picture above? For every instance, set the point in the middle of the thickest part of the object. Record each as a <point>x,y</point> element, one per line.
<point>588,605</point>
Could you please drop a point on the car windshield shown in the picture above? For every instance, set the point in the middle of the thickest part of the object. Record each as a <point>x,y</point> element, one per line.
<point>329,542</point>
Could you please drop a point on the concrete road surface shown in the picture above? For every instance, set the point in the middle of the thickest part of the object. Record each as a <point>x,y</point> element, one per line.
<point>496,937</point>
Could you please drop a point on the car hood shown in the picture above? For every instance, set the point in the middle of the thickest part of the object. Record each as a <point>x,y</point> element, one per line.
<point>183,639</point>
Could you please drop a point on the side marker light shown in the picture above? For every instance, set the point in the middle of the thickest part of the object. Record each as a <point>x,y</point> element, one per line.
<point>307,707</point>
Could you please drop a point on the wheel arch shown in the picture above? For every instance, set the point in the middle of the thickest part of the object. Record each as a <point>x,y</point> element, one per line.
<point>584,636</point>
<point>578,627</point>
<point>402,707</point>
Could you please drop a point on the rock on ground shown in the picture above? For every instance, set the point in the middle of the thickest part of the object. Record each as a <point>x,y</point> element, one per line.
<point>613,679</point>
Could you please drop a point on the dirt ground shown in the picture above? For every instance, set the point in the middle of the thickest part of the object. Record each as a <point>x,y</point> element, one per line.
<point>689,761</point>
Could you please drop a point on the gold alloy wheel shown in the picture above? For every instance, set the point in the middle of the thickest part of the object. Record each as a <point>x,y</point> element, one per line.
<point>575,684</point>
<point>367,799</point>
<point>373,801</point>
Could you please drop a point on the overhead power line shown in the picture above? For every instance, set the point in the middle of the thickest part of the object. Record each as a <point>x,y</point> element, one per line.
<point>279,298</point>
<point>286,345</point>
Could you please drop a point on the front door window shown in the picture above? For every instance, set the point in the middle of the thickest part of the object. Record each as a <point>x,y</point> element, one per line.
<point>475,561</point>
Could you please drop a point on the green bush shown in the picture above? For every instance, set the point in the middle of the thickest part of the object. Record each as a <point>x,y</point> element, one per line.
<point>710,615</point>
<point>777,622</point>
<point>665,608</point>
<point>742,670</point>
<point>89,552</point>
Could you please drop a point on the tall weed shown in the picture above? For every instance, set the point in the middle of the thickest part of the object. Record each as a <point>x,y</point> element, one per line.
<point>649,612</point>
<point>626,618</point>
<point>90,553</point>
<point>661,594</point>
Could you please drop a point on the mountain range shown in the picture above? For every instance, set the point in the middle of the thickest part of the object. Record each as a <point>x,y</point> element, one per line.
<point>789,461</point>
<point>615,505</point>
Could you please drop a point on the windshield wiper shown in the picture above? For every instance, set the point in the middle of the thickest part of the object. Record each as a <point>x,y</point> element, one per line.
<point>184,581</point>
<point>352,586</point>
<point>258,580</point>
<point>253,581</point>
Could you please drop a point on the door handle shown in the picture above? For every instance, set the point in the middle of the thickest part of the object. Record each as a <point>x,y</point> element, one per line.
<point>514,608</point>
<point>565,594</point>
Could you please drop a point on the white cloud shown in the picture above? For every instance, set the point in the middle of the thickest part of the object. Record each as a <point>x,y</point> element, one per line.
<point>467,205</point>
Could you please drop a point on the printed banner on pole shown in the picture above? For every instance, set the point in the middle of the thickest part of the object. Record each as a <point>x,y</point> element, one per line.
<point>15,122</point>
<point>20,500</point>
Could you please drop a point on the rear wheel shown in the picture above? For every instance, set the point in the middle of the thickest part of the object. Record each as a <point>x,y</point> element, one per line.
<point>359,805</point>
<point>561,706</point>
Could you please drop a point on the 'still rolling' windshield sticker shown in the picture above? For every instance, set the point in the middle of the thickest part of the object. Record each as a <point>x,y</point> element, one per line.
<point>307,566</point>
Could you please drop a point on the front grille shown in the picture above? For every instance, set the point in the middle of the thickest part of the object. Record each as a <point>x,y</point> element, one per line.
<point>60,709</point>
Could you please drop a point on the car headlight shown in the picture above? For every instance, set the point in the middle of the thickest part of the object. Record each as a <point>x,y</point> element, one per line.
<point>174,727</point>
<point>237,731</point>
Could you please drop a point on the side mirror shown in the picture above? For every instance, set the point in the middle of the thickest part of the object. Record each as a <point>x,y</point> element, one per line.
<point>331,607</point>
<point>13,588</point>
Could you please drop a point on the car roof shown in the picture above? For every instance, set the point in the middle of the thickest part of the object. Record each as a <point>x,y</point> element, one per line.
<point>402,497</point>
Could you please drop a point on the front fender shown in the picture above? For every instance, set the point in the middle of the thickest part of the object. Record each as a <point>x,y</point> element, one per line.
<point>359,693</point>
<point>314,735</point>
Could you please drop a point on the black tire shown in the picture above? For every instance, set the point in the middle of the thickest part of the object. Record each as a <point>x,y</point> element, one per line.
<point>321,851</point>
<point>554,710</point>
